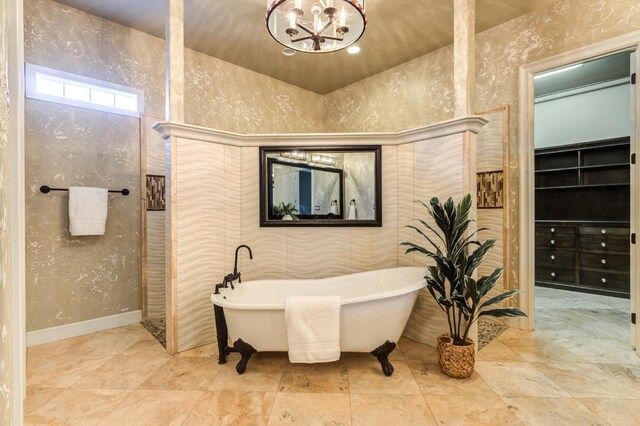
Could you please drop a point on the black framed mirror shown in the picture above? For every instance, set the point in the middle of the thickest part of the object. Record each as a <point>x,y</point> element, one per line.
<point>321,186</point>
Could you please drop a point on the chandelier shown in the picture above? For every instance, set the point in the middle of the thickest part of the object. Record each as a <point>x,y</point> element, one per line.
<point>316,26</point>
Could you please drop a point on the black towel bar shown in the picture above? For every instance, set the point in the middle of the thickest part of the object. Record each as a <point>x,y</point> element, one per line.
<point>45,189</point>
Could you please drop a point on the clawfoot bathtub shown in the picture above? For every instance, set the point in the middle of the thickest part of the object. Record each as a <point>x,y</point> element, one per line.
<point>374,311</point>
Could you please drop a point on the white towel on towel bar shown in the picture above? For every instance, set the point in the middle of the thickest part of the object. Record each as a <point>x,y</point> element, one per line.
<point>313,328</point>
<point>87,210</point>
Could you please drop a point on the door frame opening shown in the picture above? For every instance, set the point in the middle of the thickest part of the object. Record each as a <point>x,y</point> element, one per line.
<point>627,42</point>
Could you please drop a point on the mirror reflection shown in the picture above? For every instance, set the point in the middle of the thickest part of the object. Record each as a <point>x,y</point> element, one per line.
<point>320,186</point>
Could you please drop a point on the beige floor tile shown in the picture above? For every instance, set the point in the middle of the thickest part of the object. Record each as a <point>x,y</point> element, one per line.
<point>514,333</point>
<point>602,350</point>
<point>535,349</point>
<point>98,344</point>
<point>249,381</point>
<point>414,351</point>
<point>37,397</point>
<point>77,407</point>
<point>553,411</point>
<point>615,411</point>
<point>518,379</point>
<point>470,410</point>
<point>595,380</point>
<point>231,408</point>
<point>146,347</point>
<point>121,372</point>
<point>432,381</point>
<point>311,409</point>
<point>153,408</point>
<point>384,410</point>
<point>323,378</point>
<point>498,352</point>
<point>64,370</point>
<point>367,377</point>
<point>210,350</point>
<point>184,374</point>
<point>36,358</point>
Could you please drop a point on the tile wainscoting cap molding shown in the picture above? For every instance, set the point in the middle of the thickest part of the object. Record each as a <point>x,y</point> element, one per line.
<point>206,134</point>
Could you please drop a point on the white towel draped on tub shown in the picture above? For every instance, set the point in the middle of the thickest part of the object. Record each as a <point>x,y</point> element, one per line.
<point>87,210</point>
<point>313,328</point>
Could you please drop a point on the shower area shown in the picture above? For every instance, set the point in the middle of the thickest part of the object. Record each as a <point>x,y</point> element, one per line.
<point>153,230</point>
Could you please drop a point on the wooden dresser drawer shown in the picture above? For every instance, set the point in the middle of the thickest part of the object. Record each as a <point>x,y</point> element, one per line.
<point>616,262</point>
<point>607,280</point>
<point>556,257</point>
<point>604,231</point>
<point>597,244</point>
<point>555,241</point>
<point>553,274</point>
<point>555,230</point>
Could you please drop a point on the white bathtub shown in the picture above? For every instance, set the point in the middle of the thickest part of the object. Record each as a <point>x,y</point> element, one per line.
<point>375,307</point>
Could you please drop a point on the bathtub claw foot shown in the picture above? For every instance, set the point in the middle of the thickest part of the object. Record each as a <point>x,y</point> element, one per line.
<point>245,350</point>
<point>382,353</point>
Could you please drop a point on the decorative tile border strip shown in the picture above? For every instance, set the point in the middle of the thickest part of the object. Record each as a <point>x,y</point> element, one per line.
<point>490,190</point>
<point>155,193</point>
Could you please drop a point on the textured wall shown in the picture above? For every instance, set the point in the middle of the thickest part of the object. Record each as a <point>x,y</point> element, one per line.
<point>154,147</point>
<point>6,343</point>
<point>491,156</point>
<point>435,169</point>
<point>410,95</point>
<point>564,26</point>
<point>224,96</point>
<point>214,219</point>
<point>64,144</point>
<point>421,91</point>
<point>71,279</point>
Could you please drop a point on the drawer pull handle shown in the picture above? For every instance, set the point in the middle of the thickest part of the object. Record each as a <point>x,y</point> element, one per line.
<point>553,242</point>
<point>553,274</point>
<point>553,229</point>
<point>553,257</point>
<point>603,244</point>
<point>604,261</point>
<point>604,280</point>
<point>603,231</point>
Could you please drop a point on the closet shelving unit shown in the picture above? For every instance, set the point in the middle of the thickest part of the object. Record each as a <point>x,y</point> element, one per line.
<point>582,217</point>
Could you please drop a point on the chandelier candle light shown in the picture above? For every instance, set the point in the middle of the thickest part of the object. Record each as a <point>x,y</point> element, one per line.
<point>316,26</point>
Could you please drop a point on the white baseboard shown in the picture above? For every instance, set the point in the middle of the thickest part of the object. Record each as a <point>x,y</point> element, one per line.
<point>52,334</point>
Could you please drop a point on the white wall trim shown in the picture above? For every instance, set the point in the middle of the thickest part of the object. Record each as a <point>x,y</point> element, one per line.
<point>15,72</point>
<point>583,89</point>
<point>200,133</point>
<point>53,334</point>
<point>526,137</point>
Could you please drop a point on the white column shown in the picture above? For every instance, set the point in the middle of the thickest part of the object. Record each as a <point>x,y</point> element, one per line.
<point>174,112</point>
<point>174,60</point>
<point>464,24</point>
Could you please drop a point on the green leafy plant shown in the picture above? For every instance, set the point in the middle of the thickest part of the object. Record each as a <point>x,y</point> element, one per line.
<point>450,281</point>
<point>283,209</point>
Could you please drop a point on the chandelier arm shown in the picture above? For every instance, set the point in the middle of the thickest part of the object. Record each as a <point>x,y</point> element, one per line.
<point>305,28</point>
<point>333,38</point>
<point>300,39</point>
<point>327,25</point>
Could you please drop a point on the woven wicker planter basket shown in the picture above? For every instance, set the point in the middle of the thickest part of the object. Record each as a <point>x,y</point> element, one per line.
<point>456,361</point>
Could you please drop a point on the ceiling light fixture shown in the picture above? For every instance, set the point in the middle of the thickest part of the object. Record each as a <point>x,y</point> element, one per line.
<point>316,26</point>
<point>353,49</point>
<point>546,74</point>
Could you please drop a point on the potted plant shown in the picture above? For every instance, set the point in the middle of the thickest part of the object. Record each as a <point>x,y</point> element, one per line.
<point>286,211</point>
<point>452,285</point>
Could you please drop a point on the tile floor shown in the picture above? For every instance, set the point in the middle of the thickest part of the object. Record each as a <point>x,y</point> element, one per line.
<point>546,377</point>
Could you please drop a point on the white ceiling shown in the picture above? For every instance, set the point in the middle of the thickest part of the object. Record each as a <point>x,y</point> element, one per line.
<point>609,68</point>
<point>234,31</point>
